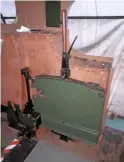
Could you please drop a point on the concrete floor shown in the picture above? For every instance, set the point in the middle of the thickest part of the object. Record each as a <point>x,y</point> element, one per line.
<point>111,149</point>
<point>8,134</point>
<point>44,151</point>
<point>48,152</point>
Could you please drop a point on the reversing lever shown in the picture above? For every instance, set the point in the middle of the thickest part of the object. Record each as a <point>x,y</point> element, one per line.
<point>29,105</point>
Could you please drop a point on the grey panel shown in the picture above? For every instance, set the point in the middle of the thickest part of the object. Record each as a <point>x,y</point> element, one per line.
<point>8,134</point>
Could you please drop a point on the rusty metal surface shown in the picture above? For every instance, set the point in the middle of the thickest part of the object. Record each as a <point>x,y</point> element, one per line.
<point>10,73</point>
<point>91,63</point>
<point>30,14</point>
<point>41,53</point>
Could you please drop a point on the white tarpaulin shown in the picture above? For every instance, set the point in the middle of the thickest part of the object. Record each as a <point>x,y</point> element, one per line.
<point>8,9</point>
<point>102,38</point>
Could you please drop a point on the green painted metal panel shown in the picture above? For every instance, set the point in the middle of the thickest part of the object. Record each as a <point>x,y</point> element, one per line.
<point>53,13</point>
<point>72,131</point>
<point>70,107</point>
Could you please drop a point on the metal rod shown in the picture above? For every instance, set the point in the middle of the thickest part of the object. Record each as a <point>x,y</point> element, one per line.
<point>72,45</point>
<point>11,17</point>
<point>28,89</point>
<point>26,76</point>
<point>64,31</point>
<point>95,17</point>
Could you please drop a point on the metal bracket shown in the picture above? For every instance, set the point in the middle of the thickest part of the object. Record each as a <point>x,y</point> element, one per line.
<point>65,71</point>
<point>27,124</point>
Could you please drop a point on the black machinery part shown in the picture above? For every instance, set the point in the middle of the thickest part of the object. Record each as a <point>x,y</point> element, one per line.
<point>29,105</point>
<point>26,122</point>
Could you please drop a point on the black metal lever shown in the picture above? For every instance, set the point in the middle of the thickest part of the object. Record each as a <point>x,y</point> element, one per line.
<point>26,75</point>
<point>29,105</point>
<point>72,45</point>
<point>65,71</point>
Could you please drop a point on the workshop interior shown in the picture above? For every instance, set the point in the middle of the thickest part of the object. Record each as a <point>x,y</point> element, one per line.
<point>62,81</point>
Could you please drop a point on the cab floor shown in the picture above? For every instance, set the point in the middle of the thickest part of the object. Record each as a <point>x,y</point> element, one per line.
<point>48,152</point>
<point>51,149</point>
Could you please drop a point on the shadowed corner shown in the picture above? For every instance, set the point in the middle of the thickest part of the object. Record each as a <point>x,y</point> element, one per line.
<point>121,159</point>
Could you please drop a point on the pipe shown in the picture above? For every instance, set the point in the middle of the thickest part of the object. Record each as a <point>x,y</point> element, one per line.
<point>64,31</point>
<point>95,17</point>
<point>28,89</point>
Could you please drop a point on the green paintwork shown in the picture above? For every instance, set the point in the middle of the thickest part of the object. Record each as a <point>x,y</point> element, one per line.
<point>69,107</point>
<point>52,13</point>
